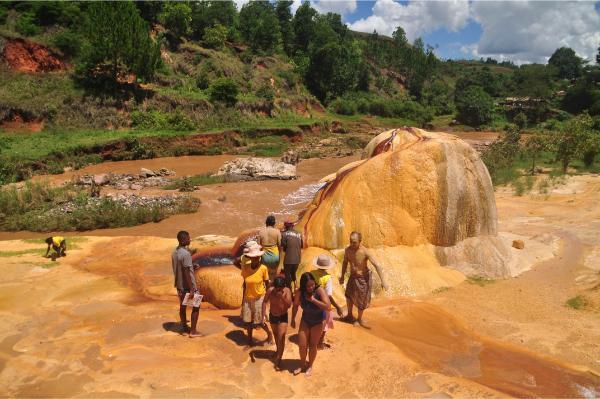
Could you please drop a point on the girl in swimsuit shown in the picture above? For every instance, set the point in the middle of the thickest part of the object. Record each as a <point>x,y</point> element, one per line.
<point>314,302</point>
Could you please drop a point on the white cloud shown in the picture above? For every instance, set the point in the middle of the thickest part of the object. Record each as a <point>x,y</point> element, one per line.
<point>530,31</point>
<point>295,6</point>
<point>341,7</point>
<point>416,18</point>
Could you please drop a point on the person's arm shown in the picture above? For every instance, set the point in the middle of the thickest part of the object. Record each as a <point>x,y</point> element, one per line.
<point>264,304</point>
<point>378,269</point>
<point>47,251</point>
<point>344,266</point>
<point>188,275</point>
<point>295,307</point>
<point>322,304</point>
<point>329,291</point>
<point>279,241</point>
<point>287,297</point>
<point>284,242</point>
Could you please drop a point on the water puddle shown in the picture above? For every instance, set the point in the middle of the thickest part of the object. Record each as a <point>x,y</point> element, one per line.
<point>440,343</point>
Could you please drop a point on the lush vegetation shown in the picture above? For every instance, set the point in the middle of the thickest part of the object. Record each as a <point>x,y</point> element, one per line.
<point>166,69</point>
<point>35,207</point>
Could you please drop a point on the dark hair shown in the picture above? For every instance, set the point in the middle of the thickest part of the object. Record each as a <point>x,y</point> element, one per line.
<point>49,240</point>
<point>182,234</point>
<point>357,235</point>
<point>304,279</point>
<point>270,221</point>
<point>279,282</point>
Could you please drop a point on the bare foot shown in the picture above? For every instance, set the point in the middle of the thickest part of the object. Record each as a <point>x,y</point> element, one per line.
<point>277,364</point>
<point>355,323</point>
<point>363,324</point>
<point>308,372</point>
<point>196,334</point>
<point>298,371</point>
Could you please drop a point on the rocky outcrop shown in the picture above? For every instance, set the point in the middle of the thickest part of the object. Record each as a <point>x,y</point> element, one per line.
<point>244,169</point>
<point>146,178</point>
<point>422,201</point>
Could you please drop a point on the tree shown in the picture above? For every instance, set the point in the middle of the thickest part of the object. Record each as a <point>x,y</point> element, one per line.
<point>475,107</point>
<point>598,56</point>
<point>284,16</point>
<point>177,18</point>
<point>214,37</point>
<point>207,14</point>
<point>118,39</point>
<point>566,62</point>
<point>259,26</point>
<point>573,139</point>
<point>520,120</point>
<point>399,37</point>
<point>332,71</point>
<point>534,146</point>
<point>304,25</point>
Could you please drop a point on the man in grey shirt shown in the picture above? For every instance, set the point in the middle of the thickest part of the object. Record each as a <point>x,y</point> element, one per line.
<point>185,280</point>
<point>291,242</point>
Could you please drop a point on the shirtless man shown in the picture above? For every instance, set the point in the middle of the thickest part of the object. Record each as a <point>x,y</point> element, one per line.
<point>279,298</point>
<point>360,282</point>
<point>270,239</point>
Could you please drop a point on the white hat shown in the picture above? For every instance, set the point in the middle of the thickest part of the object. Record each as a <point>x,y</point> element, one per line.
<point>254,251</point>
<point>323,262</point>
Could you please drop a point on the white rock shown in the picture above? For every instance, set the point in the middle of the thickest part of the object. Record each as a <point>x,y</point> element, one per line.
<point>257,169</point>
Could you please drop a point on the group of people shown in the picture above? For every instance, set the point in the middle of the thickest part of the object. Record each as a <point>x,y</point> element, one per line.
<point>264,285</point>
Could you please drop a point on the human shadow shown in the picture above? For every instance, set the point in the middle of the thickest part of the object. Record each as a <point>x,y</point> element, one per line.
<point>288,365</point>
<point>238,337</point>
<point>235,320</point>
<point>175,326</point>
<point>294,339</point>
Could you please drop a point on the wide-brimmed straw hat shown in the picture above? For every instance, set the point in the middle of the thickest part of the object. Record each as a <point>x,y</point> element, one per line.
<point>323,262</point>
<point>253,250</point>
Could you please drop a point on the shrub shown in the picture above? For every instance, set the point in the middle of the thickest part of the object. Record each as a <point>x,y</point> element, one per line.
<point>224,91</point>
<point>214,37</point>
<point>26,24</point>
<point>202,80</point>
<point>520,120</point>
<point>158,120</point>
<point>68,43</point>
<point>343,106</point>
<point>290,77</point>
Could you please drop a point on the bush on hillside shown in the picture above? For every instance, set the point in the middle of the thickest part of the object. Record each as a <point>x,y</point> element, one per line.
<point>158,120</point>
<point>224,91</point>
<point>214,37</point>
<point>26,24</point>
<point>475,107</point>
<point>69,43</point>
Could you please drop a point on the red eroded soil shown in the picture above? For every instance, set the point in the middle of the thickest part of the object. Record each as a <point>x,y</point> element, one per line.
<point>25,56</point>
<point>17,123</point>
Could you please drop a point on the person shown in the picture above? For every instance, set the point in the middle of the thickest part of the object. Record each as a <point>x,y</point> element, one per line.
<point>58,245</point>
<point>270,239</point>
<point>256,282</point>
<point>185,280</point>
<point>358,289</point>
<point>279,298</point>
<point>291,242</point>
<point>314,302</point>
<point>323,264</point>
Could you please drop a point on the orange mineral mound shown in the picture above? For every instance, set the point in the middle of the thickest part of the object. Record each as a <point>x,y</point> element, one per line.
<point>422,200</point>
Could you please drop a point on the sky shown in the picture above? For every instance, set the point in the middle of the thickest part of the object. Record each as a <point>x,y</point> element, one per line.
<point>523,31</point>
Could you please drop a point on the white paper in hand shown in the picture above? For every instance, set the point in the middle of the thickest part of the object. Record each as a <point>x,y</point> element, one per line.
<point>195,301</point>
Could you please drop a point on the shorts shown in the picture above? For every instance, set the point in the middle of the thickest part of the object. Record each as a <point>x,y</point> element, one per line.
<point>278,319</point>
<point>328,321</point>
<point>252,311</point>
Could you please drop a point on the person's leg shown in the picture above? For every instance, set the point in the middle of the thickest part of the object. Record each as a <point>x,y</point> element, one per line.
<point>265,327</point>
<point>302,345</point>
<point>195,314</point>
<point>288,276</point>
<point>249,330</point>
<point>182,310</point>
<point>360,319</point>
<point>350,305</point>
<point>293,271</point>
<point>313,341</point>
<point>281,339</point>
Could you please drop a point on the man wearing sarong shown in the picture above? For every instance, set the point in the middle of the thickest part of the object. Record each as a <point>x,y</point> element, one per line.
<point>270,239</point>
<point>360,282</point>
